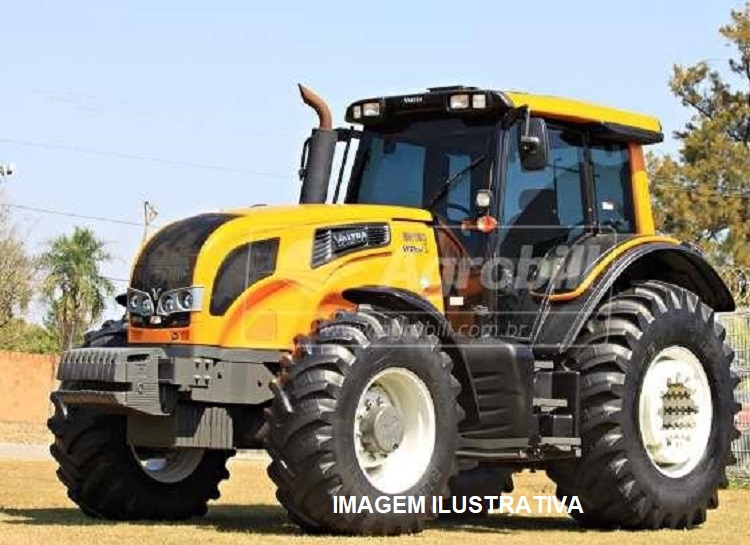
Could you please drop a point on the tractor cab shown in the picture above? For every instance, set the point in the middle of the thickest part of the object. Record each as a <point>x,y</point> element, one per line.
<point>526,191</point>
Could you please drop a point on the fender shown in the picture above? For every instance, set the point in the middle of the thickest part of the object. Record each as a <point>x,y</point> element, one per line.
<point>415,306</point>
<point>678,264</point>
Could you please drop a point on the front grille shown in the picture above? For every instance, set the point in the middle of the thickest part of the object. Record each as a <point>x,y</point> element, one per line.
<point>334,242</point>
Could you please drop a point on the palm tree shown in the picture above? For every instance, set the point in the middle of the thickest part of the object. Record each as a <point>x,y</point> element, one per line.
<point>74,289</point>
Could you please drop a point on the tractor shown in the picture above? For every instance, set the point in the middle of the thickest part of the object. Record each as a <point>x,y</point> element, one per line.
<point>483,292</point>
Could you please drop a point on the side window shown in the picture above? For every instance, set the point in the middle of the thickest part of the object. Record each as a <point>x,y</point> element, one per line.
<point>547,204</point>
<point>611,169</point>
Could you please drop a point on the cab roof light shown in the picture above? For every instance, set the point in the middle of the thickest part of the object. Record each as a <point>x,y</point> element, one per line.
<point>371,109</point>
<point>459,102</point>
<point>479,101</point>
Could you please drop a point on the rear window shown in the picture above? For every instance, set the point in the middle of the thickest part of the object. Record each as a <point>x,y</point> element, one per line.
<point>612,182</point>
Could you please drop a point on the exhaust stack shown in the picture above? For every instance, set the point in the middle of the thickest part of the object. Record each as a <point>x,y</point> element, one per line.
<point>322,146</point>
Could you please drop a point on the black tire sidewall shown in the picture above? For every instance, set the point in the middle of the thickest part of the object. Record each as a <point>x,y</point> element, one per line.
<point>679,327</point>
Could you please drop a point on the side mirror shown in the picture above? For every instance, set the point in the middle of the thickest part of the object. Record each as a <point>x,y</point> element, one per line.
<point>533,145</point>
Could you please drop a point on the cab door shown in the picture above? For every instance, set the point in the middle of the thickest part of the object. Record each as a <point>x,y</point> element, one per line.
<point>541,214</point>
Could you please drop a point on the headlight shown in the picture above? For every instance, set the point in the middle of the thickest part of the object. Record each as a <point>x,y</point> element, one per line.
<point>180,300</point>
<point>167,304</point>
<point>147,306</point>
<point>186,299</point>
<point>139,303</point>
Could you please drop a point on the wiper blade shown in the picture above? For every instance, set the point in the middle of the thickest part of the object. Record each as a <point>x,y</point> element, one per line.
<point>452,179</point>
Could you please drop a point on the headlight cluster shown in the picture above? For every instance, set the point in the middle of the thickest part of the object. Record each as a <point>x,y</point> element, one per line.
<point>170,302</point>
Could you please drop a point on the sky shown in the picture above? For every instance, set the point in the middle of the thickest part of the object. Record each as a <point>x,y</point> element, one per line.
<point>193,106</point>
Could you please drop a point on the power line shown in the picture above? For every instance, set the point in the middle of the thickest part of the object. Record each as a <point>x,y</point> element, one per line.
<point>133,156</point>
<point>74,215</point>
<point>122,109</point>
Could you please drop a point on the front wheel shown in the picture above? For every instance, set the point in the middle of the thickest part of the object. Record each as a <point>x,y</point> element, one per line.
<point>109,478</point>
<point>365,413</point>
<point>657,411</point>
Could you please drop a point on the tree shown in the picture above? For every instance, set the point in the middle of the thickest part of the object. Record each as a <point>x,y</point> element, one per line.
<point>21,336</point>
<point>74,289</point>
<point>703,195</point>
<point>16,271</point>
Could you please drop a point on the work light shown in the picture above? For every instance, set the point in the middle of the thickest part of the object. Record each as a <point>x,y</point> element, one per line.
<point>371,109</point>
<point>459,102</point>
<point>478,101</point>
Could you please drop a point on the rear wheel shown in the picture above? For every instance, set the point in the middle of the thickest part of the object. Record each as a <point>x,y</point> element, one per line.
<point>367,410</point>
<point>108,478</point>
<point>657,411</point>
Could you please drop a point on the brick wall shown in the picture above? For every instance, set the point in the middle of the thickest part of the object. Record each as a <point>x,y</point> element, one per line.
<point>26,381</point>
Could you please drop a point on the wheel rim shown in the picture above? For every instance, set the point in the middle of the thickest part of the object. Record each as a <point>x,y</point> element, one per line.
<point>168,465</point>
<point>394,430</point>
<point>675,411</point>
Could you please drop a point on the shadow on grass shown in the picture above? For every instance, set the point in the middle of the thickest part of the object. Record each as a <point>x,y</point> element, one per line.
<point>506,524</point>
<point>259,519</point>
<point>272,519</point>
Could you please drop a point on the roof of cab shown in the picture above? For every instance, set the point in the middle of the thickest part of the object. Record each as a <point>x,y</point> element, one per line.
<point>579,111</point>
<point>603,121</point>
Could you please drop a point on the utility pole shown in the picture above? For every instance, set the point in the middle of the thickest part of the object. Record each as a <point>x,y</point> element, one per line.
<point>6,170</point>
<point>149,215</point>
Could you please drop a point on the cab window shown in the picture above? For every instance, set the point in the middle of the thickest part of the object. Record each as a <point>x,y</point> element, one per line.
<point>544,208</point>
<point>611,170</point>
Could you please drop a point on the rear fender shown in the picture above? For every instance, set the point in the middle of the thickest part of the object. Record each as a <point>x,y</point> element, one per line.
<point>677,264</point>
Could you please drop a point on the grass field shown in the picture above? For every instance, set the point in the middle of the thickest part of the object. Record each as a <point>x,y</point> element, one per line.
<point>35,510</point>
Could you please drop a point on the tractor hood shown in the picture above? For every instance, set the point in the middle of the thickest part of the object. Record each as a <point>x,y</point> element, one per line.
<point>274,217</point>
<point>168,259</point>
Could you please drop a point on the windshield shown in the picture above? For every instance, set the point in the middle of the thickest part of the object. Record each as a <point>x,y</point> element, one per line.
<point>409,165</point>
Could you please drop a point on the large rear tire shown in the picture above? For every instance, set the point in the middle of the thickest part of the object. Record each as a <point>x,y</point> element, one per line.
<point>367,409</point>
<point>657,411</point>
<point>108,478</point>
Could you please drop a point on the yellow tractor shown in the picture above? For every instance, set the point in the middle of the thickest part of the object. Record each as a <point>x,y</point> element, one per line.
<point>483,292</point>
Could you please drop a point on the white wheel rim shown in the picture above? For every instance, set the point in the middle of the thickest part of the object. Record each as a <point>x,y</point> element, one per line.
<point>170,465</point>
<point>402,464</point>
<point>675,411</point>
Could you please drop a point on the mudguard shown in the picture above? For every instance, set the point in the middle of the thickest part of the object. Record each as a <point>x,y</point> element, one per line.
<point>678,264</point>
<point>418,308</point>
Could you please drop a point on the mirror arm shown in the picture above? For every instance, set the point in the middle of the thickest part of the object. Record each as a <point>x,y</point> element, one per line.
<point>511,116</point>
<point>528,120</point>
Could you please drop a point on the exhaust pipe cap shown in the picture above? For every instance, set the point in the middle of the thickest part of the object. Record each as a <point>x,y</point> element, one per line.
<point>319,105</point>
